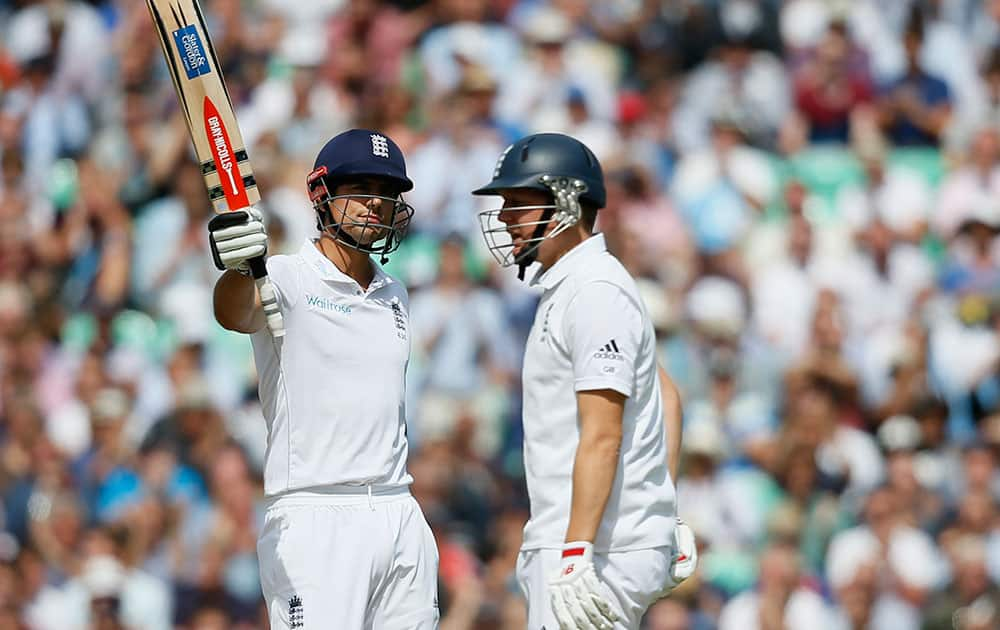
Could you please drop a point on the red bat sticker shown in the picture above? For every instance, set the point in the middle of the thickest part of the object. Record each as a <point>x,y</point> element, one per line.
<point>225,162</point>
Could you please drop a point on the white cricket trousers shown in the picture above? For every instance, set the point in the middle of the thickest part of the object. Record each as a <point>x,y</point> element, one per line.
<point>346,559</point>
<point>633,581</point>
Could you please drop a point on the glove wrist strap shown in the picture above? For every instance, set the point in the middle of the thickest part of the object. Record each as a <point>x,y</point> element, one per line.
<point>576,554</point>
<point>577,549</point>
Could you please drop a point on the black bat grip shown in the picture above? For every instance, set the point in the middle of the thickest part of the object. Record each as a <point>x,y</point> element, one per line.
<point>258,267</point>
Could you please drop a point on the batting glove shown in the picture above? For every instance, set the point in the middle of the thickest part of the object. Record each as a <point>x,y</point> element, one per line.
<point>685,555</point>
<point>578,601</point>
<point>237,237</point>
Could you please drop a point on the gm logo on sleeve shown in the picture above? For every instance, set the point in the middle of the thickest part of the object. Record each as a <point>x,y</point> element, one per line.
<point>192,52</point>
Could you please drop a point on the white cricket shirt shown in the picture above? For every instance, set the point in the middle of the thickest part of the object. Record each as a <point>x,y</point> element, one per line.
<point>332,389</point>
<point>591,332</point>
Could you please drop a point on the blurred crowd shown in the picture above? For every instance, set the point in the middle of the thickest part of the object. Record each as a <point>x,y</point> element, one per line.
<point>807,190</point>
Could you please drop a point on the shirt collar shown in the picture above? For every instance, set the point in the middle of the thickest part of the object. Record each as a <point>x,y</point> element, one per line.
<point>381,278</point>
<point>549,278</point>
<point>328,271</point>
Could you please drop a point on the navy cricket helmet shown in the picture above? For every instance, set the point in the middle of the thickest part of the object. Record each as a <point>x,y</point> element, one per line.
<point>527,161</point>
<point>556,164</point>
<point>363,153</point>
<point>359,155</point>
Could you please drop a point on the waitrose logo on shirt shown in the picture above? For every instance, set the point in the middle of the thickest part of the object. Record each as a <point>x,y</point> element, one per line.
<point>326,304</point>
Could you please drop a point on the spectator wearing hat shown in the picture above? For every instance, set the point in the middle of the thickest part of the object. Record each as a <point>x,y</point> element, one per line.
<point>446,50</point>
<point>855,600</point>
<point>110,593</point>
<point>478,90</point>
<point>557,58</point>
<point>193,430</point>
<point>706,497</point>
<point>105,473</point>
<point>714,314</point>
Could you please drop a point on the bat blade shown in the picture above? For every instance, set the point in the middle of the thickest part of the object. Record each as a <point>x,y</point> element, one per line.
<point>208,110</point>
<point>211,121</point>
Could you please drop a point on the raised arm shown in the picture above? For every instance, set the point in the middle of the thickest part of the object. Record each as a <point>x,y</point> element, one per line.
<point>236,238</point>
<point>237,303</point>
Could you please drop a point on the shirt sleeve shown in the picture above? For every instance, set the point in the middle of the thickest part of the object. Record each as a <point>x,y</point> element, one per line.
<point>284,276</point>
<point>603,331</point>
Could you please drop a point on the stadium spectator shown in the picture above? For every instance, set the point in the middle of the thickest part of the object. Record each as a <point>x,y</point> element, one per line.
<point>832,87</point>
<point>915,108</point>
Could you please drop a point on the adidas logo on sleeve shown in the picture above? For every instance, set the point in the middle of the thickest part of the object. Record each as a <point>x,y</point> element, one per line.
<point>609,351</point>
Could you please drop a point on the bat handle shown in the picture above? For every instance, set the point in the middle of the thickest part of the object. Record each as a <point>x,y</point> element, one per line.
<point>268,300</point>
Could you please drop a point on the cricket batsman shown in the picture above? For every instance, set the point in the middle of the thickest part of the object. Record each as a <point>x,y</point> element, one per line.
<point>344,544</point>
<point>603,541</point>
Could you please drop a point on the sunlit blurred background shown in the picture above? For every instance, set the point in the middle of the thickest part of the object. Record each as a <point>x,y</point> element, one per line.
<point>808,191</point>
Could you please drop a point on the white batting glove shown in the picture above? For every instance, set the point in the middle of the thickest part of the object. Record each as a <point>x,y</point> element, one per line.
<point>685,555</point>
<point>578,601</point>
<point>237,237</point>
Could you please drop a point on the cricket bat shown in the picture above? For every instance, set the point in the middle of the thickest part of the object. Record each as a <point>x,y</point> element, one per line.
<point>211,120</point>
